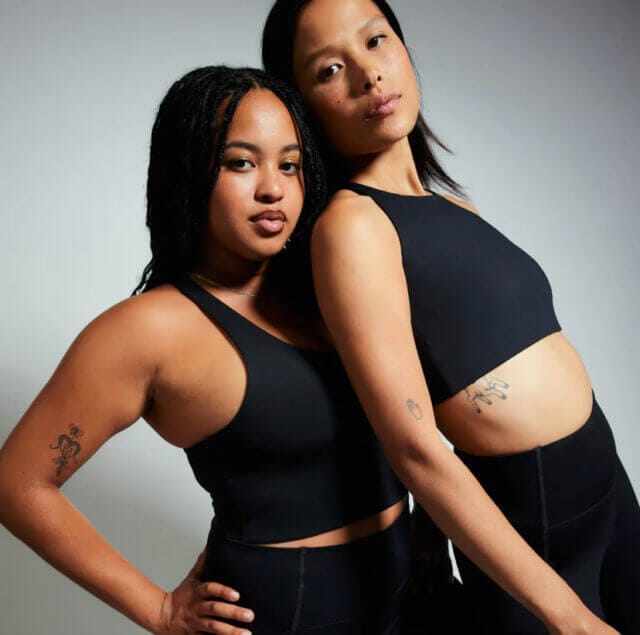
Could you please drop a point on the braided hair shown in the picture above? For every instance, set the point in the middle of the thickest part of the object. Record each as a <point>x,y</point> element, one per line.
<point>187,146</point>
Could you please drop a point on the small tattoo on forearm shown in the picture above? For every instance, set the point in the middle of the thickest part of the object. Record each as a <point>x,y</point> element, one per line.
<point>414,409</point>
<point>69,448</point>
<point>493,388</point>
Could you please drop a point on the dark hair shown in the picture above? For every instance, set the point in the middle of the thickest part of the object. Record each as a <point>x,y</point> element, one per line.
<point>277,58</point>
<point>187,146</point>
<point>431,571</point>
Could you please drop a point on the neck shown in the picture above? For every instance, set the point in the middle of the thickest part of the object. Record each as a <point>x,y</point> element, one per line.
<point>392,169</point>
<point>242,275</point>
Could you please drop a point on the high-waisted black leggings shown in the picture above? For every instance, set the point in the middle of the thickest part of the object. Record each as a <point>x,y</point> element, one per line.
<point>573,503</point>
<point>351,589</point>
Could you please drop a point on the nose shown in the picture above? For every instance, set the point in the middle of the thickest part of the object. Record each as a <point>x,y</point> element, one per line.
<point>372,78</point>
<point>269,188</point>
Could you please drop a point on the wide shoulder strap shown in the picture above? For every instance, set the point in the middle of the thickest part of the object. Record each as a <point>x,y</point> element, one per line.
<point>364,190</point>
<point>240,330</point>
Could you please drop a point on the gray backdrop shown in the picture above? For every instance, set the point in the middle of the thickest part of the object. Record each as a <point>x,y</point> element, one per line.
<point>538,99</point>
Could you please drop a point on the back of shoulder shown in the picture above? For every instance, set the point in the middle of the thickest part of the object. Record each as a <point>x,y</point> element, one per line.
<point>350,216</point>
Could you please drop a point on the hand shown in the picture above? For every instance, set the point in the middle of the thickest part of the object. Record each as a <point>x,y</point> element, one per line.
<point>191,608</point>
<point>590,625</point>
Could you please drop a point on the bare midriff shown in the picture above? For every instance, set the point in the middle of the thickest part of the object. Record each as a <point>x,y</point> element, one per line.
<point>357,530</point>
<point>535,398</point>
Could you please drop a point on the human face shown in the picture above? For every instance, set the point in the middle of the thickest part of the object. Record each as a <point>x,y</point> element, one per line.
<point>258,196</point>
<point>355,74</point>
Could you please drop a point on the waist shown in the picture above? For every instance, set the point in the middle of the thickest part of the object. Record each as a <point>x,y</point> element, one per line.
<point>567,477</point>
<point>357,587</point>
<point>357,530</point>
<point>538,396</point>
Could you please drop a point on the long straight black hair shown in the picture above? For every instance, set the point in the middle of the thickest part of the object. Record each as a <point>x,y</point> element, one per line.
<point>277,58</point>
<point>187,146</point>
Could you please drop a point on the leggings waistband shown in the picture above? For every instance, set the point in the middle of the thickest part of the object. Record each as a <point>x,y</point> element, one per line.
<point>561,479</point>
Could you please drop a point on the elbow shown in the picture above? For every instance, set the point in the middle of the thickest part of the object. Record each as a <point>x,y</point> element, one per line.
<point>415,459</point>
<point>18,495</point>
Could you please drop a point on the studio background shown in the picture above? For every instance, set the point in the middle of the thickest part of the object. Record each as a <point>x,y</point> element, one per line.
<point>538,99</point>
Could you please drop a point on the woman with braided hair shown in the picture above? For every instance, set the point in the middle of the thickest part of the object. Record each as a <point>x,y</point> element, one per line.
<point>222,354</point>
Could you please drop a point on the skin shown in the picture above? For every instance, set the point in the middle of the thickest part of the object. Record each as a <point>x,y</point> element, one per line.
<point>173,365</point>
<point>345,58</point>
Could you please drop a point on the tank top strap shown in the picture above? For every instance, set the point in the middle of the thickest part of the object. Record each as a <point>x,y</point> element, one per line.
<point>243,333</point>
<point>364,190</point>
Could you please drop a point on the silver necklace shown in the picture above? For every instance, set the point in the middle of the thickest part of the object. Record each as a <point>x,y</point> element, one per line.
<point>213,283</point>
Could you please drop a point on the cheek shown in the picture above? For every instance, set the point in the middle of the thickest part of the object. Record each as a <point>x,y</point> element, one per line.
<point>330,106</point>
<point>227,202</point>
<point>296,198</point>
<point>402,67</point>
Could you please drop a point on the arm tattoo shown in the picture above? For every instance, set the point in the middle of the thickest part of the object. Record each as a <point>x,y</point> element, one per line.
<point>69,448</point>
<point>414,409</point>
<point>493,387</point>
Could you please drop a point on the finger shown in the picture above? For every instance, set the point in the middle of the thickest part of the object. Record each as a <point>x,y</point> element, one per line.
<point>209,590</point>
<point>220,628</point>
<point>226,611</point>
<point>198,568</point>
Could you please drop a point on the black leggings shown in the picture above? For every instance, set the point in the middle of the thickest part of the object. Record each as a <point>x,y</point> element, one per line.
<point>351,589</point>
<point>573,503</point>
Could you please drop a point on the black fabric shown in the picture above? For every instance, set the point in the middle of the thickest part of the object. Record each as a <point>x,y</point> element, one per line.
<point>573,503</point>
<point>476,298</point>
<point>299,458</point>
<point>620,573</point>
<point>353,589</point>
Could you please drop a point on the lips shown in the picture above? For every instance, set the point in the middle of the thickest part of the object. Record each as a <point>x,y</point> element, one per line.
<point>382,106</point>
<point>269,222</point>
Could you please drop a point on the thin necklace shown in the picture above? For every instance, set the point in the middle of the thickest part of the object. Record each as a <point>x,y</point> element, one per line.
<point>222,286</point>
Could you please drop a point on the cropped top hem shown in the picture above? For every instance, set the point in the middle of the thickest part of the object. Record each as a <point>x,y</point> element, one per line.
<point>248,537</point>
<point>466,381</point>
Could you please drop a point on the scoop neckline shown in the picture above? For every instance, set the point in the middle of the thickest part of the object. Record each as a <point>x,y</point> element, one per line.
<point>302,349</point>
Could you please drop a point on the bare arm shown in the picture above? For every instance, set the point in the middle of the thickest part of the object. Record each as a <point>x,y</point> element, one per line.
<point>101,387</point>
<point>363,297</point>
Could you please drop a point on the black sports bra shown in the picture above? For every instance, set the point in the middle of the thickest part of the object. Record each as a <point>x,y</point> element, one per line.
<point>476,298</point>
<point>299,458</point>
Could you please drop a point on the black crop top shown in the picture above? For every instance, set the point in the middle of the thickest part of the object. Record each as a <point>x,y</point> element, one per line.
<point>476,298</point>
<point>299,458</point>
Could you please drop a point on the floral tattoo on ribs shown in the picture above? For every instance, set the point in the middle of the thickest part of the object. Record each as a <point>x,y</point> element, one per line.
<point>69,448</point>
<point>492,388</point>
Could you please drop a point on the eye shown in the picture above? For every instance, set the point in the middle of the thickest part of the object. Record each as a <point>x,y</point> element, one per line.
<point>290,167</point>
<point>239,164</point>
<point>327,73</point>
<point>375,41</point>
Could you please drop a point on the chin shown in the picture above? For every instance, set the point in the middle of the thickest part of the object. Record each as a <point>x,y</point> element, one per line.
<point>378,139</point>
<point>270,251</point>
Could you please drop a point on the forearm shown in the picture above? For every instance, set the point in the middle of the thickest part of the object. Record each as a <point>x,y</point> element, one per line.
<point>43,518</point>
<point>446,489</point>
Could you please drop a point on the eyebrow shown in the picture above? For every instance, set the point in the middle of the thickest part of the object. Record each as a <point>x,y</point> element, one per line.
<point>252,147</point>
<point>330,47</point>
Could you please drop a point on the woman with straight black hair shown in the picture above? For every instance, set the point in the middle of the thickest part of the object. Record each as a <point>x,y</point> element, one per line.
<point>222,355</point>
<point>486,362</point>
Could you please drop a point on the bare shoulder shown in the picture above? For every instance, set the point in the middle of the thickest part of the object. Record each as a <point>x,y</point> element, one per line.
<point>350,216</point>
<point>136,327</point>
<point>461,203</point>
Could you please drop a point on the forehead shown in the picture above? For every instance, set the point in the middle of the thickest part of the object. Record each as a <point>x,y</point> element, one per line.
<point>261,115</point>
<point>327,22</point>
